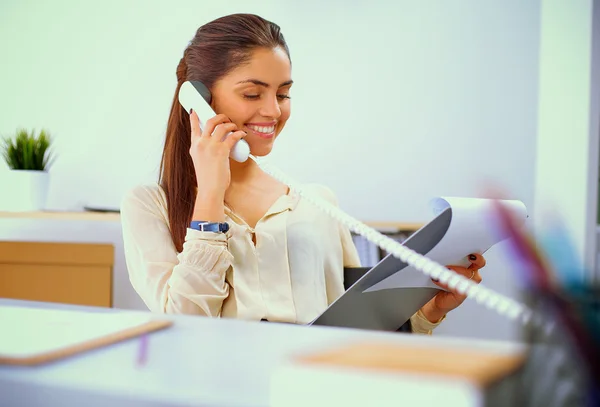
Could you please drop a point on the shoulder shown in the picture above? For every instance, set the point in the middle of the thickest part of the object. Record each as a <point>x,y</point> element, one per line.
<point>148,197</point>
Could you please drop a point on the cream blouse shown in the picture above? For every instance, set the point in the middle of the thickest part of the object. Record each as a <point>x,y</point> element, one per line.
<point>292,274</point>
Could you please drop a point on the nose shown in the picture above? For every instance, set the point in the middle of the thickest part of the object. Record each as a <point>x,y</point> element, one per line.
<point>270,108</point>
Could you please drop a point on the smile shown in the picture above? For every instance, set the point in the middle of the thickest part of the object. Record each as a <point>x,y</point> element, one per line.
<point>262,131</point>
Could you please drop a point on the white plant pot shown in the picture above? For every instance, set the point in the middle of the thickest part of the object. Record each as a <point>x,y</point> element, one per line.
<point>24,190</point>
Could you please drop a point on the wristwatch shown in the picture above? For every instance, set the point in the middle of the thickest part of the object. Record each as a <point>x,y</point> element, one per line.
<point>204,226</point>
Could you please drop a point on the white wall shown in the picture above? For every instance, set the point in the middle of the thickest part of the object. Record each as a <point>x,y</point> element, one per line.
<point>569,123</point>
<point>394,102</point>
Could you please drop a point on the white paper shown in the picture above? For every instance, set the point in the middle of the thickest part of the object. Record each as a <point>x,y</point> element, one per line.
<point>31,331</point>
<point>471,230</point>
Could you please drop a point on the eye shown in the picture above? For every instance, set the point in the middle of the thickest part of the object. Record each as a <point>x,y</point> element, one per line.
<point>284,96</point>
<point>251,96</point>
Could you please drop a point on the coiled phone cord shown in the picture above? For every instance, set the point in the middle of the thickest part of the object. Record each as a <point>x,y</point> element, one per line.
<point>501,304</point>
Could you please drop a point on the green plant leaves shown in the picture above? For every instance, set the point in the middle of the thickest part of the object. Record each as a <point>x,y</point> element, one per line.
<point>27,152</point>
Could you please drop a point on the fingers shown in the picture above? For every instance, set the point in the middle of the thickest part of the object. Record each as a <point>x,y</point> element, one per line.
<point>217,129</point>
<point>472,274</point>
<point>477,261</point>
<point>234,138</point>
<point>195,125</point>
<point>221,130</point>
<point>212,123</point>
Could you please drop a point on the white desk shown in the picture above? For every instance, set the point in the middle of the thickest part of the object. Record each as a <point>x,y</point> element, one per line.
<point>198,361</point>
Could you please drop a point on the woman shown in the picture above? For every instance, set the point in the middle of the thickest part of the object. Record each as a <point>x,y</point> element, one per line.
<point>272,256</point>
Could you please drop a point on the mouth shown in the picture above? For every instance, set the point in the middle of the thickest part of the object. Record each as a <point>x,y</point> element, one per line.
<point>264,130</point>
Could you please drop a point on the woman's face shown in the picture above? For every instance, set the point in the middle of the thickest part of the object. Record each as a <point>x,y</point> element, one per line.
<point>255,96</point>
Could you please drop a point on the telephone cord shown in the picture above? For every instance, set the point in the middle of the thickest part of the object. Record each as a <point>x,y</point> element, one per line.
<point>503,305</point>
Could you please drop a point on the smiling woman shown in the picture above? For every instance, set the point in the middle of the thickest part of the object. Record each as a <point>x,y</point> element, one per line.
<point>255,97</point>
<point>220,238</point>
<point>251,90</point>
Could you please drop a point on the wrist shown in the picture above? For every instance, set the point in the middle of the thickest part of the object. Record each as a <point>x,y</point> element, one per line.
<point>209,207</point>
<point>433,313</point>
<point>210,195</point>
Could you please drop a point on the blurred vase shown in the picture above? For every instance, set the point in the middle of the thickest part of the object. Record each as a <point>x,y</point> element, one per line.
<point>24,190</point>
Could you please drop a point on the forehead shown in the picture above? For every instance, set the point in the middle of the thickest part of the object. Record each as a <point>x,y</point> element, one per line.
<point>268,65</point>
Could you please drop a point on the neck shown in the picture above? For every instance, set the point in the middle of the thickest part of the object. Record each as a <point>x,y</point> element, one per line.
<point>242,172</point>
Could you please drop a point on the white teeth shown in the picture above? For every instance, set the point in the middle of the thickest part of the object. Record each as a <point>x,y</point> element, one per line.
<point>263,129</point>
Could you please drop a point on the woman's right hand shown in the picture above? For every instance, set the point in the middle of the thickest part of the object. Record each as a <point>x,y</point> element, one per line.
<point>210,153</point>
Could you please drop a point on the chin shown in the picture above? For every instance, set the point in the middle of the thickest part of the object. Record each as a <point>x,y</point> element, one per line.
<point>260,149</point>
<point>260,152</point>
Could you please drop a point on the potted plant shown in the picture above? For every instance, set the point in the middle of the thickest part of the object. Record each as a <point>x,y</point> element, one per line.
<point>28,158</point>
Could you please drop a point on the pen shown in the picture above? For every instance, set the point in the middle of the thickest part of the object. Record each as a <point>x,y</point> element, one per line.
<point>142,350</point>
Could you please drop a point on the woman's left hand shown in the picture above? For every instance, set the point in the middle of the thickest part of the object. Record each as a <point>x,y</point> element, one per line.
<point>446,301</point>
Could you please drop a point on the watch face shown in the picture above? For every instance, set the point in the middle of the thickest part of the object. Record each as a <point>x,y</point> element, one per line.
<point>216,227</point>
<point>213,227</point>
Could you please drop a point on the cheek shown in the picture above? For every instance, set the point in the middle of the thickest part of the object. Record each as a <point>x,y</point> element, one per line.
<point>235,111</point>
<point>285,115</point>
<point>241,115</point>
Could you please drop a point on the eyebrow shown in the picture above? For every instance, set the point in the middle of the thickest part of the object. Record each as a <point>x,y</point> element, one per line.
<point>266,85</point>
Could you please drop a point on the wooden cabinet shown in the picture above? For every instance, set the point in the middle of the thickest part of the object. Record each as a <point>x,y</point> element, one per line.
<point>73,273</point>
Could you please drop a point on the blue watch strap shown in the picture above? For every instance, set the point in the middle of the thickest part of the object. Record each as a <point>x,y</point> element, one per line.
<point>204,226</point>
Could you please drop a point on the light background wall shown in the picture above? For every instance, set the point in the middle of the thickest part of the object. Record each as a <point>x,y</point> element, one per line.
<point>569,123</point>
<point>394,103</point>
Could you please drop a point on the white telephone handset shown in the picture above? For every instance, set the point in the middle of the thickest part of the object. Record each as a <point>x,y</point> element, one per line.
<point>194,95</point>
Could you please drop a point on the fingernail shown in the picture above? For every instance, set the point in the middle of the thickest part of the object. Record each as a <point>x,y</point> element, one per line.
<point>472,257</point>
<point>435,279</point>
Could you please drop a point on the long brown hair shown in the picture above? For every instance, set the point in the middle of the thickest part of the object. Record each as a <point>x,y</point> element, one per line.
<point>217,48</point>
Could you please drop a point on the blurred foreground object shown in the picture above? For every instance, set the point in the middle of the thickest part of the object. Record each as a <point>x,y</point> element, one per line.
<point>388,374</point>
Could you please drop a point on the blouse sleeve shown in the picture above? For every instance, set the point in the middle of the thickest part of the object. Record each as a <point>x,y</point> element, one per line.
<point>421,325</point>
<point>190,282</point>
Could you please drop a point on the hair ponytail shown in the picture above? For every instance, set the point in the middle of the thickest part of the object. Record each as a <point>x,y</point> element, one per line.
<point>216,49</point>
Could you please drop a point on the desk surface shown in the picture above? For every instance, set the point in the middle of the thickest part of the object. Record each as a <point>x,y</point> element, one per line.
<point>198,361</point>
